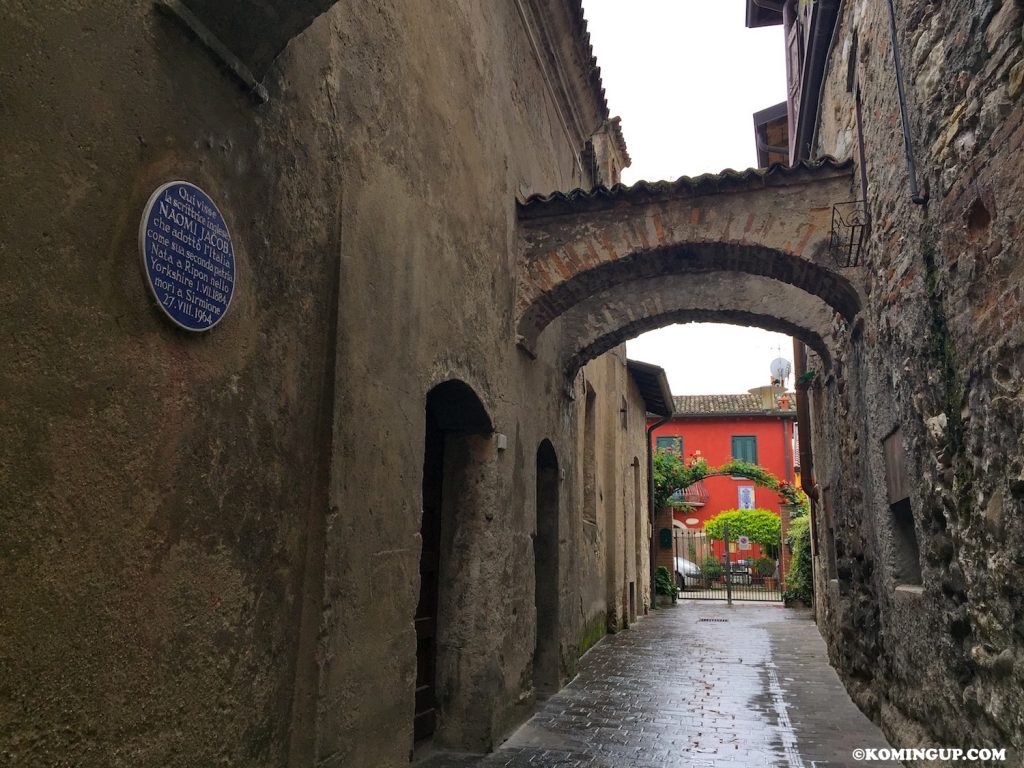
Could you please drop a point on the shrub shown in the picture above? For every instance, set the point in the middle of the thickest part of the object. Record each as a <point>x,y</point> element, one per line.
<point>800,576</point>
<point>712,569</point>
<point>764,566</point>
<point>664,584</point>
<point>760,525</point>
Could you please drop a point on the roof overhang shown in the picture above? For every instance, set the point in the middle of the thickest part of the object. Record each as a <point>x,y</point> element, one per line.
<point>653,385</point>
<point>764,13</point>
<point>564,53</point>
<point>765,121</point>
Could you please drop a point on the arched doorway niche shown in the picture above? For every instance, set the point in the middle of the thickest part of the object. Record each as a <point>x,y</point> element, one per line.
<point>456,494</point>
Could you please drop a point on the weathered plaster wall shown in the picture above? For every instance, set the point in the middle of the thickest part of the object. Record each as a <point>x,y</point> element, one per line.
<point>608,544</point>
<point>211,543</point>
<point>938,355</point>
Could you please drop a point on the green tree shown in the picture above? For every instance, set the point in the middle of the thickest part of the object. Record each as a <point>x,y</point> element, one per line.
<point>760,525</point>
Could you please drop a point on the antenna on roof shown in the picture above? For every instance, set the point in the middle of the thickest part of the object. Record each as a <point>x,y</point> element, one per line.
<point>780,370</point>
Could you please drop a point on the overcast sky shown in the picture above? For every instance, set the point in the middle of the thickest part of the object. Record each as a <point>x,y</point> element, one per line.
<point>686,76</point>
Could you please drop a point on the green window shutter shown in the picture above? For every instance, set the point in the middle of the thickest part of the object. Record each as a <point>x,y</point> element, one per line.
<point>744,448</point>
<point>673,443</point>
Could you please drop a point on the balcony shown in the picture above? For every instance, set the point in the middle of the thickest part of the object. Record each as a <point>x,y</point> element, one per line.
<point>697,494</point>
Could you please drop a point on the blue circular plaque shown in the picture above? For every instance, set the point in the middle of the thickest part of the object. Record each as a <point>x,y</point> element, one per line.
<point>187,256</point>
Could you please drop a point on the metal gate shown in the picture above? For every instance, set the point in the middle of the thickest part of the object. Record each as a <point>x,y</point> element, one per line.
<point>711,569</point>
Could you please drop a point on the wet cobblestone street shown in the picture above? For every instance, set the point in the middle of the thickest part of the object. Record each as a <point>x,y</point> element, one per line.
<point>699,685</point>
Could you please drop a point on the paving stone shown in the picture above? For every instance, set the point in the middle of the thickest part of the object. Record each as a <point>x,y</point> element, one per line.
<point>754,690</point>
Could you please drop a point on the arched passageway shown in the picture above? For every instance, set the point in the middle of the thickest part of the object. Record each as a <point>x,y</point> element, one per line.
<point>546,672</point>
<point>754,244</point>
<point>828,286</point>
<point>455,448</point>
<point>754,248</point>
<point>625,310</point>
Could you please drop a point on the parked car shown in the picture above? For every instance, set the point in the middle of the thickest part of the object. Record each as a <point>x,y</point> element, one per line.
<point>686,569</point>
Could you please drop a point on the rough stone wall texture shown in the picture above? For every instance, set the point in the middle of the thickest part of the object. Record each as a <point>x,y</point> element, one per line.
<point>211,543</point>
<point>939,355</point>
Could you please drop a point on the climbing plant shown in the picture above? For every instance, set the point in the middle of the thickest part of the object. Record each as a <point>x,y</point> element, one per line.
<point>759,525</point>
<point>672,474</point>
<point>755,472</point>
<point>795,498</point>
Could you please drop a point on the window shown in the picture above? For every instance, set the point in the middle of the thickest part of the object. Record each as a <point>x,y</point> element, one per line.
<point>906,556</point>
<point>906,561</point>
<point>744,448</point>
<point>895,467</point>
<point>672,443</point>
<point>851,65</point>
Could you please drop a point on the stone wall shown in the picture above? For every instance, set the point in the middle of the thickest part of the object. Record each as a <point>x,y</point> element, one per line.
<point>938,356</point>
<point>607,510</point>
<point>211,543</point>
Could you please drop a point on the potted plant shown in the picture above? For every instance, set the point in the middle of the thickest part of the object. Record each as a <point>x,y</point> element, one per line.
<point>712,570</point>
<point>665,587</point>
<point>765,568</point>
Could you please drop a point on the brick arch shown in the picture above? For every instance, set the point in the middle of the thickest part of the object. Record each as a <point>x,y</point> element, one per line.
<point>625,310</point>
<point>774,224</point>
<point>612,339</point>
<point>691,259</point>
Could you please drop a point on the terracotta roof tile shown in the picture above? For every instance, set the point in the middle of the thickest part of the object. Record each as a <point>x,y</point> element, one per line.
<point>557,203</point>
<point>710,405</point>
<point>594,74</point>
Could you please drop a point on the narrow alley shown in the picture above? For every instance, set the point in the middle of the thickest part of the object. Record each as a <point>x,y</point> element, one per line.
<point>329,437</point>
<point>699,685</point>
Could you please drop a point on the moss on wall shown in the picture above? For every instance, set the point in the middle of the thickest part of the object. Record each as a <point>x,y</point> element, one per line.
<point>594,630</point>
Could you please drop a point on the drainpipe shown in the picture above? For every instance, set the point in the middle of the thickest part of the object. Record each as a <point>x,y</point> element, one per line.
<point>821,86</point>
<point>765,146</point>
<point>650,502</point>
<point>908,146</point>
<point>824,17</point>
<point>787,449</point>
<point>803,421</point>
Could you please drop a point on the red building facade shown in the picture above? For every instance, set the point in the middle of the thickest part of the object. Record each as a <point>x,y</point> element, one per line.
<point>757,427</point>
